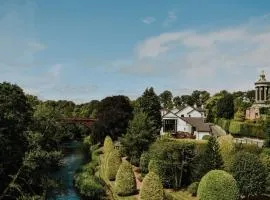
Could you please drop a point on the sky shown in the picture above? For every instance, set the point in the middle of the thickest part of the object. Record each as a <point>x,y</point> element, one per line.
<point>82,50</point>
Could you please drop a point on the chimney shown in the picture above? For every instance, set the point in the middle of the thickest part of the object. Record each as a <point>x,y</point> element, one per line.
<point>195,105</point>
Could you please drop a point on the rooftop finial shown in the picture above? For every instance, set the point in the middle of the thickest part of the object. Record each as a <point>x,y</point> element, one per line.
<point>262,76</point>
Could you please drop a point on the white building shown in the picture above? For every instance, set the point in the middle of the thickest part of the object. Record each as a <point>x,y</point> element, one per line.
<point>186,120</point>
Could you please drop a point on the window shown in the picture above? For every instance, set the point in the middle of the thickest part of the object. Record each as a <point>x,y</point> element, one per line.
<point>189,115</point>
<point>182,115</point>
<point>169,125</point>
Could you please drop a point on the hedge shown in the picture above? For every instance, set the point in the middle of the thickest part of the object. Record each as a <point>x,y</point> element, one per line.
<point>218,185</point>
<point>125,181</point>
<point>227,149</point>
<point>193,188</point>
<point>247,129</point>
<point>108,145</point>
<point>151,188</point>
<point>112,164</point>
<point>144,161</point>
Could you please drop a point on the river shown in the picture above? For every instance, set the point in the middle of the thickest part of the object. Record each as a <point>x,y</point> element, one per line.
<point>74,157</point>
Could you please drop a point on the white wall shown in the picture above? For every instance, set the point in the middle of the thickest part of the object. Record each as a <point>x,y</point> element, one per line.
<point>181,124</point>
<point>195,113</point>
<point>184,111</point>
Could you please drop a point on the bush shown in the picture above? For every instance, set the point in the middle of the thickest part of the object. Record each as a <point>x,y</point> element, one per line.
<point>224,124</point>
<point>251,148</point>
<point>246,129</point>
<point>112,164</point>
<point>206,137</point>
<point>144,161</point>
<point>125,181</point>
<point>89,186</point>
<point>218,185</point>
<point>108,145</point>
<point>227,149</point>
<point>265,158</point>
<point>249,173</point>
<point>151,188</point>
<point>192,188</point>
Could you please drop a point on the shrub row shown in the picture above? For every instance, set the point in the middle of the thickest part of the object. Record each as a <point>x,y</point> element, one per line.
<point>247,129</point>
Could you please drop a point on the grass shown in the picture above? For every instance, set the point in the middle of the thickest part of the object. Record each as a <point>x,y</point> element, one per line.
<point>181,195</point>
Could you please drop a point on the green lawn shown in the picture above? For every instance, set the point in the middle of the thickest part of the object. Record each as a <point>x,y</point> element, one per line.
<point>181,195</point>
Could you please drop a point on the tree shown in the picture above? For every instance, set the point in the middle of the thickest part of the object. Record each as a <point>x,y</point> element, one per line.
<point>212,158</point>
<point>166,99</point>
<point>177,102</point>
<point>225,107</point>
<point>15,116</point>
<point>140,134</point>
<point>149,104</point>
<point>113,115</point>
<point>249,173</point>
<point>218,184</point>
<point>187,99</point>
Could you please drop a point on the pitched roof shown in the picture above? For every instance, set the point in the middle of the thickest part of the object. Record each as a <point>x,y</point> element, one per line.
<point>198,123</point>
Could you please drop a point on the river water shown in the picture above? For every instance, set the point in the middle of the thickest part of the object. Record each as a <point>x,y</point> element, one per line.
<point>74,157</point>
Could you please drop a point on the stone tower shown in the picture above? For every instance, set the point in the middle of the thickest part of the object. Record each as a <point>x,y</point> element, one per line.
<point>262,90</point>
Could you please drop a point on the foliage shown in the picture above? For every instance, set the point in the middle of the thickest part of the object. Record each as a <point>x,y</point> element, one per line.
<point>140,134</point>
<point>239,115</point>
<point>192,188</point>
<point>224,124</point>
<point>212,156</point>
<point>267,132</point>
<point>112,164</point>
<point>249,173</point>
<point>227,149</point>
<point>144,160</point>
<point>177,102</point>
<point>166,99</point>
<point>151,188</point>
<point>89,185</point>
<point>113,114</point>
<point>172,160</point>
<point>265,158</point>
<point>206,137</point>
<point>108,145</point>
<point>149,104</point>
<point>225,107</point>
<point>15,116</point>
<point>246,129</point>
<point>218,184</point>
<point>125,182</point>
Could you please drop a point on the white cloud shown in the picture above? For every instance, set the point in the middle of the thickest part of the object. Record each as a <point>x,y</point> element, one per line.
<point>170,18</point>
<point>149,20</point>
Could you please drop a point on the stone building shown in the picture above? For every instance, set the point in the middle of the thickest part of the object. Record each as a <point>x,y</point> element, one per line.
<point>262,92</point>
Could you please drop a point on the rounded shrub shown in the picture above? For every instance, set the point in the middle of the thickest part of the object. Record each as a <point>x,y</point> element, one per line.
<point>112,165</point>
<point>151,188</point>
<point>218,185</point>
<point>125,181</point>
<point>108,145</point>
<point>192,188</point>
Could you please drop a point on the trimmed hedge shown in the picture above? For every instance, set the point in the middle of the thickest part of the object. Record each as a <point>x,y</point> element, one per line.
<point>125,181</point>
<point>151,188</point>
<point>247,129</point>
<point>218,185</point>
<point>108,145</point>
<point>113,163</point>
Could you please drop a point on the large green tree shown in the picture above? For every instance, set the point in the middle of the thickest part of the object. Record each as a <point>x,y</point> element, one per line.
<point>225,107</point>
<point>15,116</point>
<point>113,114</point>
<point>140,134</point>
<point>166,99</point>
<point>149,104</point>
<point>177,102</point>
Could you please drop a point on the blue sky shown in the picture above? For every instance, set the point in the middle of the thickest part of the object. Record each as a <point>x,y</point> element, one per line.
<point>88,49</point>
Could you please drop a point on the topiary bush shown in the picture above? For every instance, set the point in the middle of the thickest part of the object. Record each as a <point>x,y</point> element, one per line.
<point>249,173</point>
<point>125,181</point>
<point>108,145</point>
<point>151,188</point>
<point>113,163</point>
<point>192,188</point>
<point>144,161</point>
<point>218,185</point>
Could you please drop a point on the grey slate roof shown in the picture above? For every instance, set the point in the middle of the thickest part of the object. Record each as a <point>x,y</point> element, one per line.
<point>198,123</point>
